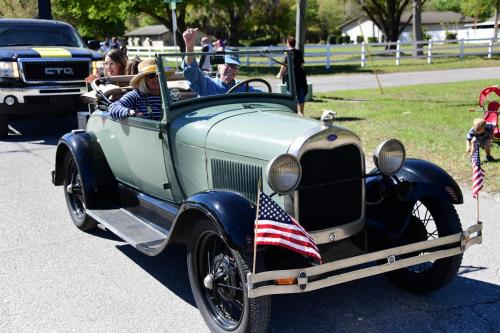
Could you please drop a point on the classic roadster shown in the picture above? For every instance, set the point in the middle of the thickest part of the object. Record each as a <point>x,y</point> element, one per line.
<point>192,177</point>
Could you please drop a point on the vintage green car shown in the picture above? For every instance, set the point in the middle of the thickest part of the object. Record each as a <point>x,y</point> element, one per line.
<point>192,177</point>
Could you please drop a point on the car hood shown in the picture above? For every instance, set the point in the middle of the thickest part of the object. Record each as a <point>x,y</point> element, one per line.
<point>258,132</point>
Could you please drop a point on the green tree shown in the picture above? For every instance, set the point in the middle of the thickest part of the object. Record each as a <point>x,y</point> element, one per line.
<point>19,8</point>
<point>479,9</point>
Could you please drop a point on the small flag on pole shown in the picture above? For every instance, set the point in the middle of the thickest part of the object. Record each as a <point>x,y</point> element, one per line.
<point>477,172</point>
<point>276,227</point>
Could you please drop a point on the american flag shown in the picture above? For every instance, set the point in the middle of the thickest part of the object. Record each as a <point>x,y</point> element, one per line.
<point>276,227</point>
<point>477,172</point>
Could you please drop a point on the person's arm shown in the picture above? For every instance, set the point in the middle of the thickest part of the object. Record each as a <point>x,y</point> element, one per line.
<point>189,39</point>
<point>282,72</point>
<point>468,141</point>
<point>124,107</point>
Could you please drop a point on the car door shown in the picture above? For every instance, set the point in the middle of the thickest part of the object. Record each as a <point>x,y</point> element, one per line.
<point>134,149</point>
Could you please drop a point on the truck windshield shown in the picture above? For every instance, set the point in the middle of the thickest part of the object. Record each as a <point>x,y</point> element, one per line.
<point>39,36</point>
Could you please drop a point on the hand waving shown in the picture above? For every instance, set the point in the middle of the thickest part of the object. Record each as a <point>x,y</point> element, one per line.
<point>190,38</point>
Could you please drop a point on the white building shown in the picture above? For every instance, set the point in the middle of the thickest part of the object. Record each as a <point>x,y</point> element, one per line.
<point>434,24</point>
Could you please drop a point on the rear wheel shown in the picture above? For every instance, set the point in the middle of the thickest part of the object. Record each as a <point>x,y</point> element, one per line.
<point>218,280</point>
<point>4,126</point>
<point>431,219</point>
<point>73,192</point>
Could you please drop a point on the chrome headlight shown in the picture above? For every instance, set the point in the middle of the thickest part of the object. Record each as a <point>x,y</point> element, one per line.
<point>283,173</point>
<point>9,69</point>
<point>389,156</point>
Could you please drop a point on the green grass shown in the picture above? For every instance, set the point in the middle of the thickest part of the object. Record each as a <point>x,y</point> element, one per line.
<point>431,120</point>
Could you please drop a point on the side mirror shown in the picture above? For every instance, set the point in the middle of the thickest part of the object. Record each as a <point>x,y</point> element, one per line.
<point>93,45</point>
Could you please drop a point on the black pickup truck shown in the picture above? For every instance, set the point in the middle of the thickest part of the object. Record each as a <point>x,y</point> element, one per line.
<point>43,65</point>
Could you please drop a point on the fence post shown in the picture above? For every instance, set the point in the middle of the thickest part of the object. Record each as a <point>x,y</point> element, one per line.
<point>490,48</point>
<point>363,54</point>
<point>429,52</point>
<point>328,56</point>
<point>149,52</point>
<point>398,52</point>
<point>248,57</point>
<point>462,46</point>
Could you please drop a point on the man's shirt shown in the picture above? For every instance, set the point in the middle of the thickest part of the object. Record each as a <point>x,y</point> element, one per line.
<point>204,85</point>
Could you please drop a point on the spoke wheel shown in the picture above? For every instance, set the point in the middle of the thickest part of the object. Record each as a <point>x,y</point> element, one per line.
<point>218,278</point>
<point>430,219</point>
<point>73,192</point>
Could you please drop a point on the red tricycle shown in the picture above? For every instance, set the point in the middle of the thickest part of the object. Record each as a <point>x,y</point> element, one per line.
<point>492,109</point>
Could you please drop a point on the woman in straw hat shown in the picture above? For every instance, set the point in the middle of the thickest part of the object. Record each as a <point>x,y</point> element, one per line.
<point>144,100</point>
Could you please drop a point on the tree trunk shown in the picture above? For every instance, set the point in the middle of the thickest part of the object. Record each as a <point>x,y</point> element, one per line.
<point>300,28</point>
<point>44,10</point>
<point>417,27</point>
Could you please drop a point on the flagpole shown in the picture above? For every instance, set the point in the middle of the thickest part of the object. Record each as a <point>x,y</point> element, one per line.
<point>255,227</point>
<point>477,208</point>
<point>370,58</point>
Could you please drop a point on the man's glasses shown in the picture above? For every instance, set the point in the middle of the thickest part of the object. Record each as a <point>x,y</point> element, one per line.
<point>151,75</point>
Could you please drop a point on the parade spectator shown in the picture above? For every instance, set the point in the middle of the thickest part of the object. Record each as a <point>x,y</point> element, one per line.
<point>206,46</point>
<point>132,67</point>
<point>299,74</point>
<point>144,101</point>
<point>115,62</point>
<point>202,83</point>
<point>106,45</point>
<point>481,133</point>
<point>219,45</point>
<point>115,44</point>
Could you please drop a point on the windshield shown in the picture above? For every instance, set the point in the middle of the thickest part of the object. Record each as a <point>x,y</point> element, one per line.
<point>209,74</point>
<point>39,36</point>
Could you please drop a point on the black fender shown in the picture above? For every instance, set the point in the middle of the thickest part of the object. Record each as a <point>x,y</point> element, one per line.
<point>232,214</point>
<point>98,182</point>
<point>390,200</point>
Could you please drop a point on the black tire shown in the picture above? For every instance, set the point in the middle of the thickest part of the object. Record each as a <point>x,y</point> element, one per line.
<point>4,126</point>
<point>74,195</point>
<point>431,218</point>
<point>225,306</point>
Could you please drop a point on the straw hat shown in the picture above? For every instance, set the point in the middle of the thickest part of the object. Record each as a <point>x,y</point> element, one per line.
<point>147,67</point>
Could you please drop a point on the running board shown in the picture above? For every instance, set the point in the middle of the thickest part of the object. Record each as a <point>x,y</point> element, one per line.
<point>147,238</point>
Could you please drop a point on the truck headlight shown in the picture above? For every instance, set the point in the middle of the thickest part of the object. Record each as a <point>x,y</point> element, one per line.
<point>9,69</point>
<point>283,173</point>
<point>97,67</point>
<point>389,156</point>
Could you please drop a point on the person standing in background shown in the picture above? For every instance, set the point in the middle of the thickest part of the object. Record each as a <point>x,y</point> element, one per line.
<point>299,74</point>
<point>206,46</point>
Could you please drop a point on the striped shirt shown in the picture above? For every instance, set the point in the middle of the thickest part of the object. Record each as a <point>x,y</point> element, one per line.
<point>135,100</point>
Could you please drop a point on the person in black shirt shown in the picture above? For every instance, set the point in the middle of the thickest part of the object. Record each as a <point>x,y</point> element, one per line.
<point>299,74</point>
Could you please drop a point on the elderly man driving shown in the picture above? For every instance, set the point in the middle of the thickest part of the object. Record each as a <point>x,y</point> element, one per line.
<point>202,83</point>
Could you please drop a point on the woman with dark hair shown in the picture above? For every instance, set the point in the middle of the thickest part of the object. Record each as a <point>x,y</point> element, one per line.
<point>299,74</point>
<point>132,66</point>
<point>115,63</point>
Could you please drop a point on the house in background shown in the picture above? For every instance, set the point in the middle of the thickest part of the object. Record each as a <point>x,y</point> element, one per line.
<point>434,24</point>
<point>480,30</point>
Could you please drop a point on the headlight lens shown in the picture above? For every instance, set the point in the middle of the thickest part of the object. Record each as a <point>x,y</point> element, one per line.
<point>283,173</point>
<point>97,67</point>
<point>9,69</point>
<point>389,156</point>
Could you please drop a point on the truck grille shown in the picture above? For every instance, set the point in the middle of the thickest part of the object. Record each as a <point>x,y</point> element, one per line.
<point>236,176</point>
<point>331,189</point>
<point>48,71</point>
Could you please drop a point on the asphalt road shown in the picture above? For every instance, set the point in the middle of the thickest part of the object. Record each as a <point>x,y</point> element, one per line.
<point>55,278</point>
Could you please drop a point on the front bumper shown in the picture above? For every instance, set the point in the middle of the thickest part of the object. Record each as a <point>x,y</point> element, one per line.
<point>257,286</point>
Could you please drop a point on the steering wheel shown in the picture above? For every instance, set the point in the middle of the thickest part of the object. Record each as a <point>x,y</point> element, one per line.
<point>239,84</point>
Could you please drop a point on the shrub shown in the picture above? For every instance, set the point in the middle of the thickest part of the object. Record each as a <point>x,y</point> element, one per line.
<point>359,39</point>
<point>340,39</point>
<point>372,40</point>
<point>451,36</point>
<point>347,39</point>
<point>332,39</point>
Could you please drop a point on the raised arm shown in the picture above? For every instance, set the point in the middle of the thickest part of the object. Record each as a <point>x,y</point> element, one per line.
<point>189,39</point>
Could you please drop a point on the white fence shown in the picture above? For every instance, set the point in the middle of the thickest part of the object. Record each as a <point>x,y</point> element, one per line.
<point>328,55</point>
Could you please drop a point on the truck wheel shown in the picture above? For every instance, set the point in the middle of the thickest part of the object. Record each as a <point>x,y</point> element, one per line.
<point>73,192</point>
<point>4,126</point>
<point>218,278</point>
<point>431,218</point>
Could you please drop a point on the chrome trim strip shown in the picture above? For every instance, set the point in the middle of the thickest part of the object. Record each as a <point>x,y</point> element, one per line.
<point>313,139</point>
<point>21,61</point>
<point>270,276</point>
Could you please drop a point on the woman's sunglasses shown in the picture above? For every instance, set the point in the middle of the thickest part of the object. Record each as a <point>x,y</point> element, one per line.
<point>151,75</point>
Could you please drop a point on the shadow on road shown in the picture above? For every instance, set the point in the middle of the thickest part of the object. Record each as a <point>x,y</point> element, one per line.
<point>46,129</point>
<point>367,305</point>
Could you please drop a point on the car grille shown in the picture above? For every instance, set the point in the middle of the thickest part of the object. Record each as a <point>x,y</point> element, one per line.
<point>331,189</point>
<point>236,176</point>
<point>47,71</point>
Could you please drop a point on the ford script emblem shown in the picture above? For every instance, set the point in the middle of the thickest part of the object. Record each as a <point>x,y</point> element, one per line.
<point>332,137</point>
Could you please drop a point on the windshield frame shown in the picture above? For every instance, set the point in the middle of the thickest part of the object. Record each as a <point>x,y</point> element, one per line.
<point>267,53</point>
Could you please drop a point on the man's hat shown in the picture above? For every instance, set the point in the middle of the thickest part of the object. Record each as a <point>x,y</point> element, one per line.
<point>147,67</point>
<point>232,59</point>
